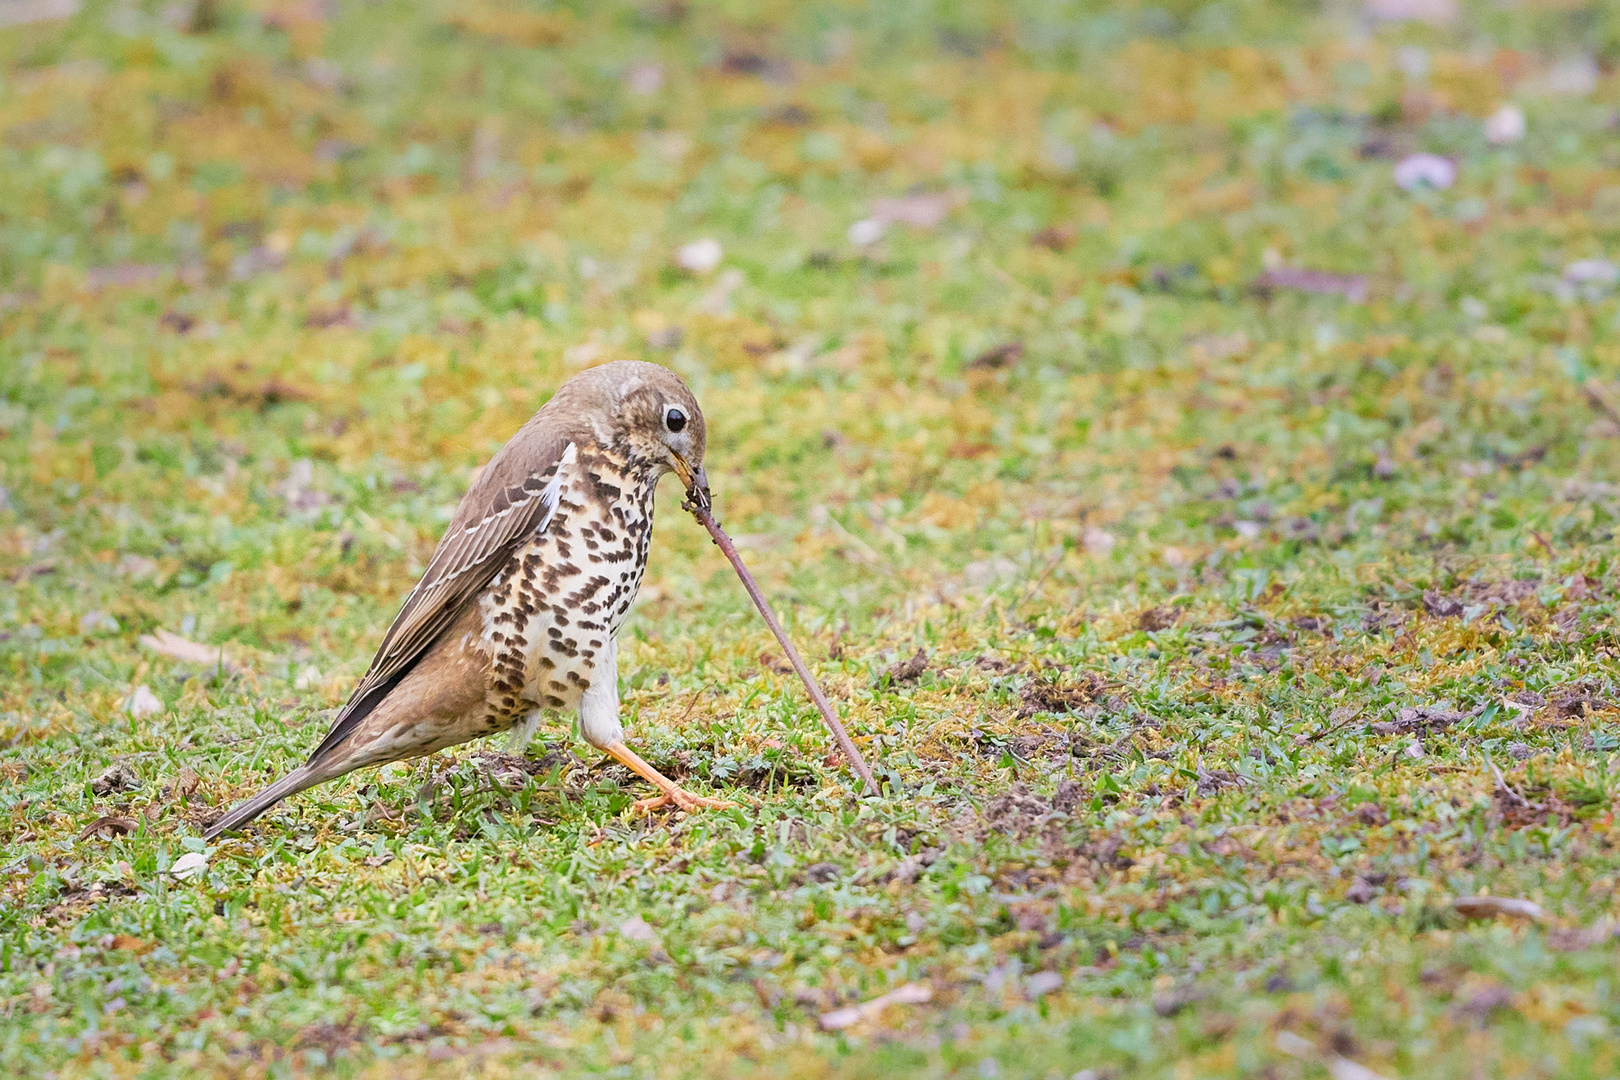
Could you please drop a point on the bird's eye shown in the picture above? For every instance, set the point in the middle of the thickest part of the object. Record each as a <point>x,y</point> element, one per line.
<point>675,420</point>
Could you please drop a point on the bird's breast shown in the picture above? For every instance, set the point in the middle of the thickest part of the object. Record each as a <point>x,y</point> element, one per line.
<point>563,595</point>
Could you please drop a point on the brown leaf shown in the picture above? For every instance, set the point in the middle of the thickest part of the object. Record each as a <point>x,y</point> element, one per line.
<point>1058,238</point>
<point>909,994</point>
<point>190,652</point>
<point>922,209</point>
<point>1491,907</point>
<point>125,276</point>
<point>999,357</point>
<point>186,782</point>
<point>1352,287</point>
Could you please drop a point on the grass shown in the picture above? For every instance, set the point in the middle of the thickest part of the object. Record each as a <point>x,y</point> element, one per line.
<point>1210,635</point>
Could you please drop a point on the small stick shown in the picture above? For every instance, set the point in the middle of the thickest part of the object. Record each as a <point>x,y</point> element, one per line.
<point>697,503</point>
<point>1599,394</point>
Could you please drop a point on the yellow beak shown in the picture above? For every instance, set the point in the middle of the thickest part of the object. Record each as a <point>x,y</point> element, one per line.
<point>683,470</point>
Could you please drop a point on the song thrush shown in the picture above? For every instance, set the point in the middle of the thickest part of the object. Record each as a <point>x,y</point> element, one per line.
<point>519,610</point>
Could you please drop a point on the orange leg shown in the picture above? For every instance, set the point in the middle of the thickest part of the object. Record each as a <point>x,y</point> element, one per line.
<point>672,792</point>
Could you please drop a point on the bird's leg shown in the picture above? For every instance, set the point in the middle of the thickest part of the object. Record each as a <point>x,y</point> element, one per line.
<point>672,792</point>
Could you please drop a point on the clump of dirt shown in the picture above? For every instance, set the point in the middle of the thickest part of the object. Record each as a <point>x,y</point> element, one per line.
<point>1211,781</point>
<point>1383,616</point>
<point>1067,798</point>
<point>1018,812</point>
<point>1441,606</point>
<point>512,771</point>
<point>1502,592</point>
<point>1158,618</point>
<point>1422,718</point>
<point>1492,594</point>
<point>117,777</point>
<point>909,671</point>
<point>1578,700</point>
<point>1047,696</point>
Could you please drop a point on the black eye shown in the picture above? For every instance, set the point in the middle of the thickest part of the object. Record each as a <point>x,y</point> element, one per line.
<point>675,420</point>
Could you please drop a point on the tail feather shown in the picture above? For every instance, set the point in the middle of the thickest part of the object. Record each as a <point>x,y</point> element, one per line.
<point>300,778</point>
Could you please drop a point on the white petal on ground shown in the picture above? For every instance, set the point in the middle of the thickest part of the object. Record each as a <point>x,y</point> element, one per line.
<point>700,256</point>
<point>1505,125</point>
<point>1421,170</point>
<point>142,702</point>
<point>644,79</point>
<point>1592,272</point>
<point>867,231</point>
<point>1435,12</point>
<point>189,865</point>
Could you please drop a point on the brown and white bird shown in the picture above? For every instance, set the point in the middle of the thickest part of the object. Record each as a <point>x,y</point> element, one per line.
<point>519,611</point>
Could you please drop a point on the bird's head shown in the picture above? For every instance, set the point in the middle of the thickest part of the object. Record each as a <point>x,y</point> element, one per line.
<point>649,412</point>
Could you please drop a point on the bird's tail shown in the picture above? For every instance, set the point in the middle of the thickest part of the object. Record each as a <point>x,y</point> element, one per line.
<point>305,776</point>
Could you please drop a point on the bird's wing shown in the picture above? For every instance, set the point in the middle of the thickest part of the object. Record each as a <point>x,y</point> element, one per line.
<point>502,510</point>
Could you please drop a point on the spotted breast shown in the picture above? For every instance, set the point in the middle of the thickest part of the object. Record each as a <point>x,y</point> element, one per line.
<point>555,608</point>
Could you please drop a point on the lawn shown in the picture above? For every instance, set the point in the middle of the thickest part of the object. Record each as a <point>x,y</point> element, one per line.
<point>1199,504</point>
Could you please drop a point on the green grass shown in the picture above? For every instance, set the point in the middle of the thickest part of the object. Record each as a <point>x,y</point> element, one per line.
<point>1259,625</point>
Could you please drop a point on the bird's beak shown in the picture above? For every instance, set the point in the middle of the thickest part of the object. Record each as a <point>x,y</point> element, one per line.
<point>696,482</point>
<point>689,478</point>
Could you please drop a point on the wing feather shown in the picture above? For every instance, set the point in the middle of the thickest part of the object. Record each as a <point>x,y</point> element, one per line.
<point>500,512</point>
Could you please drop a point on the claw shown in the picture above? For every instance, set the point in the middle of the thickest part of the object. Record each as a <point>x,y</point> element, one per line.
<point>682,799</point>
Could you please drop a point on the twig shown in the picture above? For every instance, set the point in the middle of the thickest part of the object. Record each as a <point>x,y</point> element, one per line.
<point>1599,394</point>
<point>1051,565</point>
<point>697,503</point>
<point>1340,726</point>
<point>1502,783</point>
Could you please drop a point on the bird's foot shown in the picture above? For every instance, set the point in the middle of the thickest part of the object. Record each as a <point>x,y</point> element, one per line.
<point>673,793</point>
<point>681,798</point>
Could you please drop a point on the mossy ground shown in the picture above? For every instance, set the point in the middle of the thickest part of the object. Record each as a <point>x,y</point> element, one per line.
<point>1256,625</point>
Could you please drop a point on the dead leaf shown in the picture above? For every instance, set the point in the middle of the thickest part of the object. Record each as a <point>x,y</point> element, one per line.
<point>1353,287</point>
<point>190,652</point>
<point>1058,238</point>
<point>1434,12</point>
<point>923,210</point>
<point>125,276</point>
<point>999,357</point>
<point>25,12</point>
<point>909,994</point>
<point>186,782</point>
<point>1490,907</point>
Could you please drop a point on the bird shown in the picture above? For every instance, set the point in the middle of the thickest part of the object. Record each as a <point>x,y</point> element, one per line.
<point>518,612</point>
